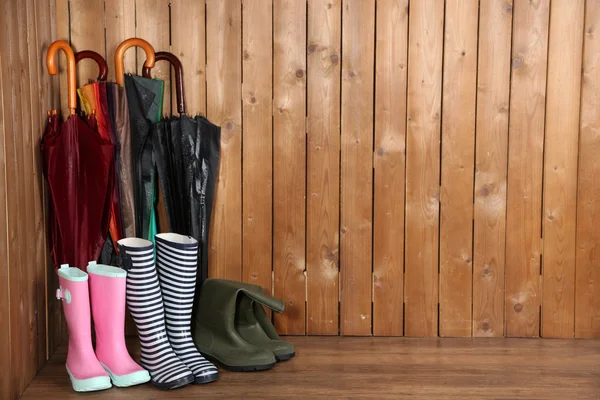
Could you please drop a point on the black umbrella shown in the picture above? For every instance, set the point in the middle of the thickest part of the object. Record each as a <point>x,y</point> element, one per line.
<point>187,153</point>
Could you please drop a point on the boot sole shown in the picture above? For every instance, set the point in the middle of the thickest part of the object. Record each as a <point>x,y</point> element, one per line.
<point>285,357</point>
<point>239,368</point>
<point>201,380</point>
<point>175,384</point>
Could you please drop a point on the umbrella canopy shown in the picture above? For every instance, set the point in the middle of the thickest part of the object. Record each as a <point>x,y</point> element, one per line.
<point>79,169</point>
<point>144,98</point>
<point>187,152</point>
<point>94,99</point>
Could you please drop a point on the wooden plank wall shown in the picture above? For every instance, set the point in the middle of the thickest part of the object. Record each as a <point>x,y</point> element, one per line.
<point>26,93</point>
<point>389,167</point>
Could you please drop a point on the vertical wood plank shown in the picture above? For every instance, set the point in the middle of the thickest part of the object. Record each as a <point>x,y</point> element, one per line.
<point>358,47</point>
<point>37,279</point>
<point>493,87</point>
<point>120,25</point>
<point>458,156</point>
<point>23,86</point>
<point>5,328</point>
<point>224,108</point>
<point>87,33</point>
<point>48,99</point>
<point>289,162</point>
<point>560,167</point>
<point>323,167</point>
<point>188,40</point>
<point>14,204</point>
<point>426,23</point>
<point>257,91</point>
<point>153,25</point>
<point>587,285</point>
<point>390,141</point>
<point>525,156</point>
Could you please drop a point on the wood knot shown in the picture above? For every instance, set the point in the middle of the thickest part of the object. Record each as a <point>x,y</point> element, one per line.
<point>517,61</point>
<point>329,5</point>
<point>352,74</point>
<point>468,260</point>
<point>344,230</point>
<point>509,8</point>
<point>299,73</point>
<point>311,48</point>
<point>334,58</point>
<point>486,270</point>
<point>181,54</point>
<point>229,126</point>
<point>291,302</point>
<point>246,55</point>
<point>230,21</point>
<point>484,191</point>
<point>485,326</point>
<point>550,217</point>
<point>463,53</point>
<point>252,99</point>
<point>518,307</point>
<point>380,152</point>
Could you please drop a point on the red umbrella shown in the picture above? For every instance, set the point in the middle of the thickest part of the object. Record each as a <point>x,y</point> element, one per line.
<point>79,170</point>
<point>94,99</point>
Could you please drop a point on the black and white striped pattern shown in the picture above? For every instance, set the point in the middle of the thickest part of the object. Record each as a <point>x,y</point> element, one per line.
<point>145,303</point>
<point>177,263</point>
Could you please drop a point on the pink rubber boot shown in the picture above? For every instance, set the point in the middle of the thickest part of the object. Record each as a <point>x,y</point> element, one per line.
<point>107,286</point>
<point>83,367</point>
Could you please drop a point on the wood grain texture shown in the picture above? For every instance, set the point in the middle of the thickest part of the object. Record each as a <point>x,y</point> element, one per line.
<point>489,235</point>
<point>37,276</point>
<point>153,25</point>
<point>289,162</point>
<point>563,94</point>
<point>525,155</point>
<point>87,33</point>
<point>323,167</point>
<point>5,328</point>
<point>587,285</point>
<point>356,224</point>
<point>387,368</point>
<point>120,25</point>
<point>458,157</point>
<point>15,207</point>
<point>224,108</point>
<point>23,90</point>
<point>188,43</point>
<point>48,98</point>
<point>426,37</point>
<point>389,161</point>
<point>257,91</point>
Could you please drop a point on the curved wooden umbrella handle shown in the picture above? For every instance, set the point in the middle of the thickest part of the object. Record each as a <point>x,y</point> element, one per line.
<point>174,61</point>
<point>71,72</point>
<point>120,53</point>
<point>102,66</point>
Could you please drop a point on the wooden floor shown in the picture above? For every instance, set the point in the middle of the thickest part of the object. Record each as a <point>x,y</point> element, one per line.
<point>387,368</point>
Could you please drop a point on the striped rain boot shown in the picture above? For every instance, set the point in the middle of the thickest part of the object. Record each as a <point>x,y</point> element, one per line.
<point>145,303</point>
<point>177,264</point>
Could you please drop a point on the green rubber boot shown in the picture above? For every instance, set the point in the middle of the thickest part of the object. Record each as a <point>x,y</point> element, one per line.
<point>214,330</point>
<point>254,325</point>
